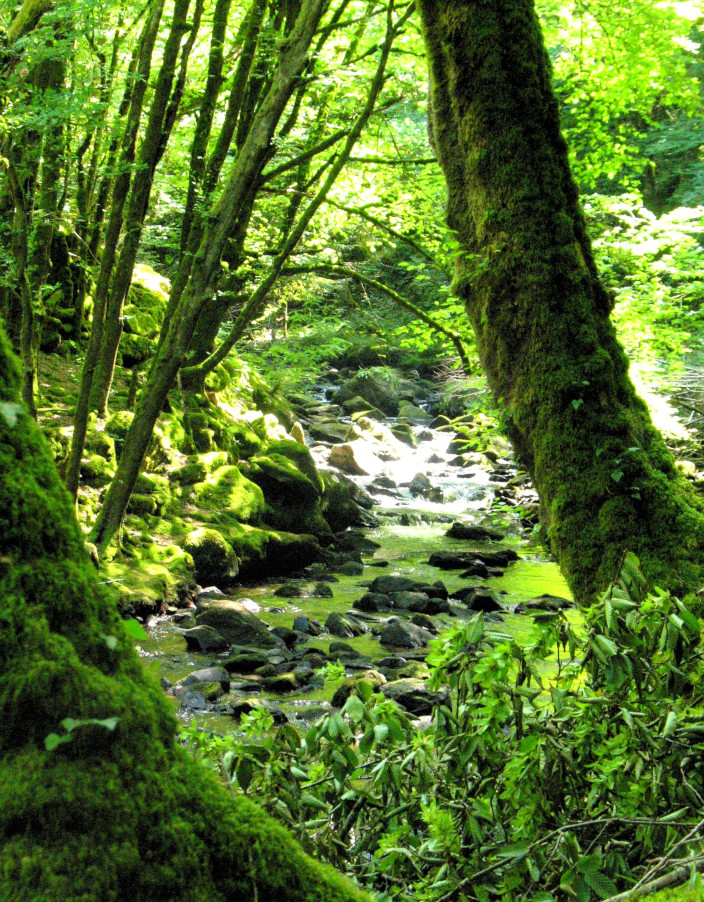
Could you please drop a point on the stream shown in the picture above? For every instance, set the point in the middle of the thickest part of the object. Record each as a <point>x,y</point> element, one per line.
<point>413,517</point>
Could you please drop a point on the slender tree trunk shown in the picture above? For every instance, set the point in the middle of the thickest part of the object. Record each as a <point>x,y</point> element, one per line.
<point>121,811</point>
<point>150,152</point>
<point>206,268</point>
<point>119,197</point>
<point>540,313</point>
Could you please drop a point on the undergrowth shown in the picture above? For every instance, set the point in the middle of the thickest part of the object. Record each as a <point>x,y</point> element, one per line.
<point>566,766</point>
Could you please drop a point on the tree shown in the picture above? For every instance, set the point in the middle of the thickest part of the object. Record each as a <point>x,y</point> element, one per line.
<point>97,800</point>
<point>538,308</point>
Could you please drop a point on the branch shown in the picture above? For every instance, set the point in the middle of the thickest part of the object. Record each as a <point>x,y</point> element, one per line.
<point>344,272</point>
<point>394,161</point>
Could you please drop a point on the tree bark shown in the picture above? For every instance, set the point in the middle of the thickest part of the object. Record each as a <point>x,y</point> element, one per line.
<point>540,313</point>
<point>204,269</point>
<point>119,197</point>
<point>120,811</point>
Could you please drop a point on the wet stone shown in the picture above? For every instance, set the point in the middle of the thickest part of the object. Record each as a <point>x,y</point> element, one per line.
<point>474,533</point>
<point>414,696</point>
<point>306,625</point>
<point>204,638</point>
<point>372,602</point>
<point>345,626</point>
<point>398,634</point>
<point>550,603</point>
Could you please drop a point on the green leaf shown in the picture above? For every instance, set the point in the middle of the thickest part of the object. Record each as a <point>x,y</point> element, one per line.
<point>298,773</point>
<point>617,475</point>
<point>53,740</point>
<point>366,742</point>
<point>109,723</point>
<point>670,724</point>
<point>600,884</point>
<point>577,403</point>
<point>244,773</point>
<point>313,802</point>
<point>354,709</point>
<point>590,864</point>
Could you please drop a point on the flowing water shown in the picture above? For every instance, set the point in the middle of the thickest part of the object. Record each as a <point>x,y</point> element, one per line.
<point>410,529</point>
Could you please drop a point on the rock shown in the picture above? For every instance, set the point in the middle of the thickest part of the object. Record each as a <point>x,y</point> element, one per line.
<point>194,701</point>
<point>385,585</point>
<point>398,634</point>
<point>474,533</point>
<point>549,603</point>
<point>476,568</point>
<point>437,590</point>
<point>405,600</point>
<point>378,388</point>
<point>351,568</point>
<point>424,621</point>
<point>238,626</point>
<point>344,458</point>
<point>356,405</point>
<point>245,662</point>
<point>210,592</point>
<point>430,606</point>
<point>370,678</point>
<point>345,626</point>
<point>331,432</point>
<point>184,619</point>
<point>404,433</point>
<point>281,684</point>
<point>480,598</point>
<point>204,638</point>
<point>213,558</point>
<point>355,540</point>
<point>457,560</point>
<point>303,624</point>
<point>321,590</point>
<point>414,696</point>
<point>287,636</point>
<point>371,603</point>
<point>420,485</point>
<point>413,414</point>
<point>288,591</point>
<point>247,705</point>
<point>208,675</point>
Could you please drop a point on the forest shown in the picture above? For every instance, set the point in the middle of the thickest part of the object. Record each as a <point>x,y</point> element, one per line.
<point>351,450</point>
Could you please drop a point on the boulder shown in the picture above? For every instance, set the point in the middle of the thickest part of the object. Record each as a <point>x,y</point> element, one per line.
<point>238,626</point>
<point>379,388</point>
<point>474,533</point>
<point>479,598</point>
<point>212,556</point>
<point>550,603</point>
<point>371,603</point>
<point>204,638</point>
<point>398,634</point>
<point>345,626</point>
<point>369,678</point>
<point>310,627</point>
<point>414,696</point>
<point>245,662</point>
<point>420,485</point>
<point>385,585</point>
<point>413,414</point>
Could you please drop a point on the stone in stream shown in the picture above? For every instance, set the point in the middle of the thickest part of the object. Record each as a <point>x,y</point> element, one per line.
<point>385,585</point>
<point>372,603</point>
<point>247,705</point>
<point>458,560</point>
<point>290,590</point>
<point>210,592</point>
<point>398,634</point>
<point>204,638</point>
<point>354,540</point>
<point>287,636</point>
<point>424,621</point>
<point>307,625</point>
<point>414,696</point>
<point>371,679</point>
<point>479,598</point>
<point>548,603</point>
<point>437,590</point>
<point>245,662</point>
<point>346,626</point>
<point>328,431</point>
<point>420,485</point>
<point>345,458</point>
<point>474,533</point>
<point>238,626</point>
<point>351,568</point>
<point>413,414</point>
<point>208,675</point>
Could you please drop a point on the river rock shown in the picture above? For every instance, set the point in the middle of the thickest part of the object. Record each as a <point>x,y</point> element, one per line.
<point>457,560</point>
<point>414,696</point>
<point>378,389</point>
<point>288,591</point>
<point>238,626</point>
<point>370,678</point>
<point>345,458</point>
<point>385,585</point>
<point>413,414</point>
<point>351,568</point>
<point>329,431</point>
<point>372,603</point>
<point>307,625</point>
<point>287,636</point>
<point>474,533</point>
<point>247,705</point>
<point>213,558</point>
<point>398,634</point>
<point>420,485</point>
<point>208,675</point>
<point>549,603</point>
<point>345,626</point>
<point>424,621</point>
<point>479,598</point>
<point>204,638</point>
<point>405,600</point>
<point>245,662</point>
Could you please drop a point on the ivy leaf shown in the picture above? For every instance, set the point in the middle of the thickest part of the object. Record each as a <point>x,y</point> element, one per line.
<point>577,403</point>
<point>617,475</point>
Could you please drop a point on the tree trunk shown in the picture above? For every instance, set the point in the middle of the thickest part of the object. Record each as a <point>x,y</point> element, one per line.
<point>540,313</point>
<point>150,152</point>
<point>204,270</point>
<point>119,198</point>
<point>112,807</point>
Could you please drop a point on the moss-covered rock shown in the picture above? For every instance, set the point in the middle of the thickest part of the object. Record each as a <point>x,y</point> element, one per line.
<point>228,490</point>
<point>107,805</point>
<point>96,471</point>
<point>102,444</point>
<point>213,558</point>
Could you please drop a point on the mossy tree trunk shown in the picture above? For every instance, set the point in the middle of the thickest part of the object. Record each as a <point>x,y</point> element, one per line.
<point>540,313</point>
<point>119,811</point>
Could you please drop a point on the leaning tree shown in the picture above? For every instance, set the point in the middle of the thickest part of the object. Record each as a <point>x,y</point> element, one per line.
<point>539,309</point>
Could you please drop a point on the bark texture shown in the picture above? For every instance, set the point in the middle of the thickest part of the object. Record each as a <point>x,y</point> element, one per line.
<point>540,313</point>
<point>123,813</point>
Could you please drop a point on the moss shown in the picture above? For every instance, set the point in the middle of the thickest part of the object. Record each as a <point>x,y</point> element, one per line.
<point>112,814</point>
<point>96,471</point>
<point>676,894</point>
<point>212,556</point>
<point>102,444</point>
<point>228,490</point>
<point>280,479</point>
